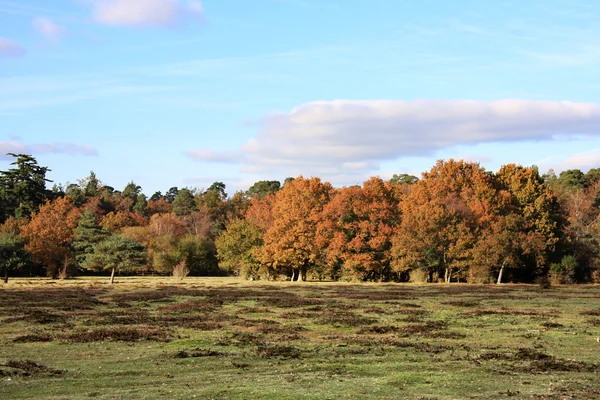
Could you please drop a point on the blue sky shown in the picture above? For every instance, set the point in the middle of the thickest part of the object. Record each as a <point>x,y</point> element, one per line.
<point>185,93</point>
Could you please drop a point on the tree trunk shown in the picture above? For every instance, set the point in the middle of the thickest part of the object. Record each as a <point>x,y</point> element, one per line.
<point>62,272</point>
<point>447,275</point>
<point>293,275</point>
<point>6,275</point>
<point>500,274</point>
<point>112,276</point>
<point>302,276</point>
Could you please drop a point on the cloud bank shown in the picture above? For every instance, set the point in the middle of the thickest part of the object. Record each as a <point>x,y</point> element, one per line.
<point>354,137</point>
<point>145,13</point>
<point>19,147</point>
<point>8,48</point>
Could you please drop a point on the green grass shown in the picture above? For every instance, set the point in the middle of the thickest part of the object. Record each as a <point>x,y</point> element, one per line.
<point>223,338</point>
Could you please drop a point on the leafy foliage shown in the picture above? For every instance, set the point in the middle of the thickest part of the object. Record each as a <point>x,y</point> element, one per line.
<point>12,253</point>
<point>49,235</point>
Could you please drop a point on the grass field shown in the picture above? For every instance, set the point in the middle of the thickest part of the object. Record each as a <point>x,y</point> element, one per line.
<point>223,338</point>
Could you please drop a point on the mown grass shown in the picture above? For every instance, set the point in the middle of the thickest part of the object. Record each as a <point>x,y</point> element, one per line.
<point>219,338</point>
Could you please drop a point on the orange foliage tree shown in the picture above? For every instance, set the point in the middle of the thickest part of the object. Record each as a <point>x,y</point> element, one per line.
<point>290,241</point>
<point>539,221</point>
<point>49,234</point>
<point>115,221</point>
<point>356,227</point>
<point>441,219</point>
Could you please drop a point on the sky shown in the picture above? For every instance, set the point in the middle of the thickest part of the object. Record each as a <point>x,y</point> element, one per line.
<point>186,92</point>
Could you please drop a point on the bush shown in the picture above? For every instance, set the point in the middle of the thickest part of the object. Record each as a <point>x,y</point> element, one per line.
<point>565,271</point>
<point>181,270</point>
<point>418,275</point>
<point>479,274</point>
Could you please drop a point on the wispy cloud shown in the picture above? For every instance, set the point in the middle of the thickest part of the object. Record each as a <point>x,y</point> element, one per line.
<point>18,8</point>
<point>344,137</point>
<point>8,48</point>
<point>18,147</point>
<point>19,93</point>
<point>50,30</point>
<point>145,13</point>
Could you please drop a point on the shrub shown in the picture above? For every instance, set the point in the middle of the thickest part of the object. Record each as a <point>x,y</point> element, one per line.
<point>418,275</point>
<point>564,272</point>
<point>181,270</point>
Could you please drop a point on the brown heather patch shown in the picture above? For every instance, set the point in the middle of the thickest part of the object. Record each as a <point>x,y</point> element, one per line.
<point>381,329</point>
<point>593,312</point>
<point>191,306</point>
<point>32,338</point>
<point>118,334</point>
<point>346,318</point>
<point>289,300</point>
<point>38,316</point>
<point>460,303</point>
<point>277,351</point>
<point>541,362</point>
<point>18,302</point>
<point>27,368</point>
<point>196,353</point>
<point>515,312</point>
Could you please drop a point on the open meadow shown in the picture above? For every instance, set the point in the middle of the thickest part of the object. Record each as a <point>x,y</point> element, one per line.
<point>224,338</point>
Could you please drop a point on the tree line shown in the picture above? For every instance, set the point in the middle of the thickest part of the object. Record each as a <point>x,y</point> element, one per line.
<point>458,223</point>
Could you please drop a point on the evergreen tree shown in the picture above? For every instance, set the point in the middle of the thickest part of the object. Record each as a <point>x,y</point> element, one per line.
<point>22,189</point>
<point>116,254</point>
<point>12,253</point>
<point>87,234</point>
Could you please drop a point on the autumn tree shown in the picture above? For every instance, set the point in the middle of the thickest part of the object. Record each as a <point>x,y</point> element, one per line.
<point>49,234</point>
<point>115,221</point>
<point>116,254</point>
<point>290,241</point>
<point>236,206</point>
<point>356,227</point>
<point>260,212</point>
<point>441,219</point>
<point>158,206</point>
<point>581,213</point>
<point>541,222</point>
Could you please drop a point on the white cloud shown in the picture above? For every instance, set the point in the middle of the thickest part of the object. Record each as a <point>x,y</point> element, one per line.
<point>145,12</point>
<point>345,137</point>
<point>51,31</point>
<point>583,161</point>
<point>8,48</point>
<point>18,147</point>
